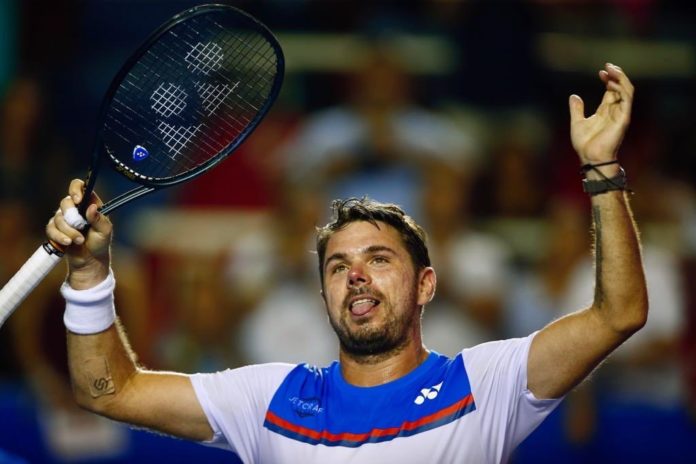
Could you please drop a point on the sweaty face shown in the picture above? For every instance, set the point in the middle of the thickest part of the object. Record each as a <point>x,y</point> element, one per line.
<point>370,289</point>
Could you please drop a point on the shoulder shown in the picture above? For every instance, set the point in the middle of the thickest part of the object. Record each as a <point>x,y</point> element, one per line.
<point>508,411</point>
<point>497,347</point>
<point>307,377</point>
<point>256,378</point>
<point>498,359</point>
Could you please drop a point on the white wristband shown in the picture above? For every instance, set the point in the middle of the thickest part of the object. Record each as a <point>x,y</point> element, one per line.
<point>89,311</point>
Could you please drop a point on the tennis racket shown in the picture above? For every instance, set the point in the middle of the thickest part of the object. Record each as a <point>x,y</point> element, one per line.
<point>183,102</point>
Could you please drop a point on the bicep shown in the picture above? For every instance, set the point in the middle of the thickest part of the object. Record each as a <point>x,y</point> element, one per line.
<point>567,350</point>
<point>165,402</point>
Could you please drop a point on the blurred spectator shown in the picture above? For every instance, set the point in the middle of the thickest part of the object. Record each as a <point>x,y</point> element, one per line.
<point>203,313</point>
<point>472,266</point>
<point>29,162</point>
<point>289,324</point>
<point>30,156</point>
<point>538,295</point>
<point>379,142</point>
<point>514,178</point>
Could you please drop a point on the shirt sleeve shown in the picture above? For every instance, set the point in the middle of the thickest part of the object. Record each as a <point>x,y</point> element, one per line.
<point>235,402</point>
<point>508,412</point>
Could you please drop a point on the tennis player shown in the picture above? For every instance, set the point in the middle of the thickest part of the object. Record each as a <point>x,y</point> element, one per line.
<point>388,398</point>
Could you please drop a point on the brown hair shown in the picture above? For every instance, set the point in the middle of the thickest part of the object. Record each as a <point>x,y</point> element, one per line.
<point>365,209</point>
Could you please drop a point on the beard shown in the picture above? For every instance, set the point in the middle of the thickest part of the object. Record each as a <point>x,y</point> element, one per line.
<point>370,340</point>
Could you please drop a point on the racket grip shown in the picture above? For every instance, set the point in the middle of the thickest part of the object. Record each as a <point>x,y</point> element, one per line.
<point>44,259</point>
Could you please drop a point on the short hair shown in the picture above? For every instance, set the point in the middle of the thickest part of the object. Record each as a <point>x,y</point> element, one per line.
<point>365,209</point>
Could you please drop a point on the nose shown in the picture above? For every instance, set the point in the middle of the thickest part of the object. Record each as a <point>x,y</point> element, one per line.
<point>357,277</point>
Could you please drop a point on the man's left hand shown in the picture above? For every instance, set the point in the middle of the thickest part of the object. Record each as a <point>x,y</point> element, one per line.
<point>597,138</point>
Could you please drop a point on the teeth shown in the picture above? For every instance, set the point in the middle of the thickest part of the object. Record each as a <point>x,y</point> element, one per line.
<point>364,300</point>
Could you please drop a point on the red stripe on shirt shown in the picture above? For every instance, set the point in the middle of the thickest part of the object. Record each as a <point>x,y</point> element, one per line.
<point>358,437</point>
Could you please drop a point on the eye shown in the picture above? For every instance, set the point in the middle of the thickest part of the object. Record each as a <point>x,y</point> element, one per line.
<point>379,260</point>
<point>339,268</point>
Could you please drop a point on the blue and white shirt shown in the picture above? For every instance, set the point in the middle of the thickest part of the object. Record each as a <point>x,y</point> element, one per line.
<point>474,407</point>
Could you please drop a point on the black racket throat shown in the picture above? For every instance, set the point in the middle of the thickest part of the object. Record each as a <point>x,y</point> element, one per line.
<point>89,185</point>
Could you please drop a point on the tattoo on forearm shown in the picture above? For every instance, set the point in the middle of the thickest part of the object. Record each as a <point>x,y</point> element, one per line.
<point>599,290</point>
<point>99,377</point>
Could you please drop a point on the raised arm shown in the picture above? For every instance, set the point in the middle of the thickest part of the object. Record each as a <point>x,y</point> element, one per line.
<point>105,376</point>
<point>567,350</point>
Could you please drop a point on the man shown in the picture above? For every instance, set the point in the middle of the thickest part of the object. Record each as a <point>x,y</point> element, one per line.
<point>388,398</point>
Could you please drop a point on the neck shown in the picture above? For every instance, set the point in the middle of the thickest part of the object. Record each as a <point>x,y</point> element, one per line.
<point>378,369</point>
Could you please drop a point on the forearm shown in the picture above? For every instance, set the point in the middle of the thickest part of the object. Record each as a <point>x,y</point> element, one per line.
<point>107,380</point>
<point>568,349</point>
<point>101,365</point>
<point>620,290</point>
<point>99,356</point>
<point>105,376</point>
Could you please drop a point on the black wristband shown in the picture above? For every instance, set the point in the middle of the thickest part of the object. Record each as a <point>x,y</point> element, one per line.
<point>595,187</point>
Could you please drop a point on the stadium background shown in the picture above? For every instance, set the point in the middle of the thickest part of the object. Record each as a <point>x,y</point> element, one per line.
<point>456,110</point>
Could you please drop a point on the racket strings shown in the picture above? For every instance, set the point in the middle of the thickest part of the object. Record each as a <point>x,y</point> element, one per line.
<point>168,99</point>
<point>204,58</point>
<point>232,76</point>
<point>253,56</point>
<point>182,138</point>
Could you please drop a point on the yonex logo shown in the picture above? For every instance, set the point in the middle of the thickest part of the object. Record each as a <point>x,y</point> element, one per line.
<point>140,153</point>
<point>205,57</point>
<point>169,100</point>
<point>428,393</point>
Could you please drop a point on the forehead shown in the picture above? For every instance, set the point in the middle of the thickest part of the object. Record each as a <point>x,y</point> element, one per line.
<point>359,235</point>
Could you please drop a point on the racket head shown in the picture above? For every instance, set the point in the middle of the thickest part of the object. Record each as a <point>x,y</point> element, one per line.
<point>189,95</point>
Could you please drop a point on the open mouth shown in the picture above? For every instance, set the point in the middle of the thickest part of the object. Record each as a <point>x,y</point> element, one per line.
<point>362,306</point>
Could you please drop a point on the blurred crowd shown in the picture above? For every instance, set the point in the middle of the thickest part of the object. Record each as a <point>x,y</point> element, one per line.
<point>455,110</point>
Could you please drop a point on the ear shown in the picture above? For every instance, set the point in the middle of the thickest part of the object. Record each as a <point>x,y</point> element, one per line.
<point>427,282</point>
<point>323,297</point>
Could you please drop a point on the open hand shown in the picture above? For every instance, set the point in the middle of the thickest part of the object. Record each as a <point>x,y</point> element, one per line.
<point>597,138</point>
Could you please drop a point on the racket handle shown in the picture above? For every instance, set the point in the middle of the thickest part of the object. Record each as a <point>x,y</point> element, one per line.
<point>44,259</point>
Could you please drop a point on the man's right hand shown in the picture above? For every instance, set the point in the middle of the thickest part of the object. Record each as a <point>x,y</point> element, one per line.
<point>88,254</point>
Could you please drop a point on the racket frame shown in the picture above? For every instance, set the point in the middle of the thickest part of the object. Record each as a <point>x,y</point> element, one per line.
<point>148,185</point>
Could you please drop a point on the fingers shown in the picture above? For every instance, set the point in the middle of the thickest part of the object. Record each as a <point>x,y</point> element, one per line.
<point>615,74</point>
<point>75,190</point>
<point>56,236</point>
<point>577,108</point>
<point>96,200</point>
<point>619,87</point>
<point>63,230</point>
<point>99,222</point>
<point>58,228</point>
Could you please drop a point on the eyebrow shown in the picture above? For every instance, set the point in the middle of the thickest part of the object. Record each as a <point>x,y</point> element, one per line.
<point>372,249</point>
